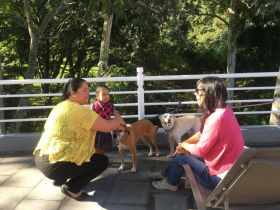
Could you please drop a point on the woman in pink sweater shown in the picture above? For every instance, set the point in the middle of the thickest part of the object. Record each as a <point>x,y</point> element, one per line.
<point>213,150</point>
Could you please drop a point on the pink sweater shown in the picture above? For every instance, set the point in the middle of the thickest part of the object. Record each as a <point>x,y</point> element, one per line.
<point>221,141</point>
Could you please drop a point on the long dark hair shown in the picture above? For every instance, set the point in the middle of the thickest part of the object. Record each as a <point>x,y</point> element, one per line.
<point>73,84</point>
<point>215,96</point>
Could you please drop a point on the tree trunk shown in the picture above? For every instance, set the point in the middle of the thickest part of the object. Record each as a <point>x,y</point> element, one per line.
<point>275,117</point>
<point>2,116</point>
<point>32,63</point>
<point>232,37</point>
<point>34,33</point>
<point>105,44</point>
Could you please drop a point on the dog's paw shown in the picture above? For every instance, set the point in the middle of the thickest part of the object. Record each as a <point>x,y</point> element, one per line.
<point>133,170</point>
<point>169,156</point>
<point>150,154</point>
<point>157,154</point>
<point>121,168</point>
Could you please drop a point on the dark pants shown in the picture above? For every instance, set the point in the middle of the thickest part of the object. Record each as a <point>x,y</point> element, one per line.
<point>103,140</point>
<point>79,176</point>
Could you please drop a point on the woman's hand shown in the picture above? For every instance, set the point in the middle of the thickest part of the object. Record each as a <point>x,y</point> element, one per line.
<point>179,150</point>
<point>120,121</point>
<point>107,125</point>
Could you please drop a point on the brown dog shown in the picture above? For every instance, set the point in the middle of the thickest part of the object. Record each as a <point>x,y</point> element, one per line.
<point>130,135</point>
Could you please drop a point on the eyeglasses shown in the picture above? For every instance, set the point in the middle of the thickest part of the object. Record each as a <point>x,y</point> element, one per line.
<point>197,90</point>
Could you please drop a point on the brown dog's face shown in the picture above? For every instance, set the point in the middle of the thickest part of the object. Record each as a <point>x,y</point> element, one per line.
<point>122,133</point>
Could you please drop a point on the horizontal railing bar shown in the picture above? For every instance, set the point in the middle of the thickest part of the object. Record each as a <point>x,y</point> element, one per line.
<point>60,94</point>
<point>194,102</point>
<point>30,95</point>
<point>198,76</point>
<point>50,107</point>
<point>51,81</point>
<point>192,90</point>
<point>258,112</point>
<point>25,108</point>
<point>255,88</point>
<point>44,119</point>
<point>135,92</point>
<point>238,113</point>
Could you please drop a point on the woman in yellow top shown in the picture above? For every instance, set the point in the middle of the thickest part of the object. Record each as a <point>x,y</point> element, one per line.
<point>65,152</point>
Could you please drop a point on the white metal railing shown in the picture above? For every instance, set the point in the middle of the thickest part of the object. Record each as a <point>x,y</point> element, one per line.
<point>140,79</point>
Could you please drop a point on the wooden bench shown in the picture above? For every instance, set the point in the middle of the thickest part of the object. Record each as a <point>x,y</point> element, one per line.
<point>253,182</point>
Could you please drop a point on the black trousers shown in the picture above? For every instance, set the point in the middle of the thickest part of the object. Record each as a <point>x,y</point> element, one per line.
<point>77,176</point>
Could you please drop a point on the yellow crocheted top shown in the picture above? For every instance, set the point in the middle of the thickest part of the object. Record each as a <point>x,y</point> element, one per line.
<point>67,133</point>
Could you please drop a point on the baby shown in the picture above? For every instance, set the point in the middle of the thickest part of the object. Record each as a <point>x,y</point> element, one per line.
<point>105,108</point>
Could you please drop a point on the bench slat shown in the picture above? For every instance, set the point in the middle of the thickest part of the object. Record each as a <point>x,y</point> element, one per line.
<point>199,192</point>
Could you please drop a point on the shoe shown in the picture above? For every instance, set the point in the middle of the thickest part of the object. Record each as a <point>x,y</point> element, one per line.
<point>155,175</point>
<point>58,183</point>
<point>83,196</point>
<point>163,185</point>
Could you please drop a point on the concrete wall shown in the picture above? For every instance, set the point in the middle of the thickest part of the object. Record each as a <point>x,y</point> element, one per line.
<point>24,143</point>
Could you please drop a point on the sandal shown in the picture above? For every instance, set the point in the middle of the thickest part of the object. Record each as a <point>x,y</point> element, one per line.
<point>83,196</point>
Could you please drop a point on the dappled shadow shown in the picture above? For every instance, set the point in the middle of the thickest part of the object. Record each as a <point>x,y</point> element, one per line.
<point>115,190</point>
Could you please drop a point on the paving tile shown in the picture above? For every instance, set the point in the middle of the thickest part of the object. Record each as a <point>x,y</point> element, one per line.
<point>38,205</point>
<point>3,178</point>
<point>100,187</point>
<point>13,196</point>
<point>145,165</point>
<point>124,207</point>
<point>26,177</point>
<point>129,192</point>
<point>11,165</point>
<point>71,204</point>
<point>46,191</point>
<point>170,201</point>
<point>129,176</point>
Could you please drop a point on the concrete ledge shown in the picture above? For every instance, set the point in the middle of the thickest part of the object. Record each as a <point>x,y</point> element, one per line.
<point>24,143</point>
<point>261,136</point>
<point>18,143</point>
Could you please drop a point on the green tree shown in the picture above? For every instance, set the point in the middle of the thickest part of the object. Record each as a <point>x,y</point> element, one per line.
<point>35,30</point>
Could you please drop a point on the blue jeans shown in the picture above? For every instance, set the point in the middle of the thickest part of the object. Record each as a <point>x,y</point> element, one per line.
<point>201,172</point>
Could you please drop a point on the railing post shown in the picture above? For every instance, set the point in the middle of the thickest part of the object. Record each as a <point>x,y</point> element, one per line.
<point>140,93</point>
<point>2,125</point>
<point>275,117</point>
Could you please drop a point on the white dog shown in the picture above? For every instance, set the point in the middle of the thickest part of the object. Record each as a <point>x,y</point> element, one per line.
<point>175,128</point>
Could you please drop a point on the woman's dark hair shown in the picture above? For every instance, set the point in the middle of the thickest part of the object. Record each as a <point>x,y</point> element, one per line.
<point>215,95</point>
<point>72,84</point>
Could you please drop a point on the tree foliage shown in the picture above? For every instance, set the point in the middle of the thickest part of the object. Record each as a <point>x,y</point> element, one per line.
<point>165,37</point>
